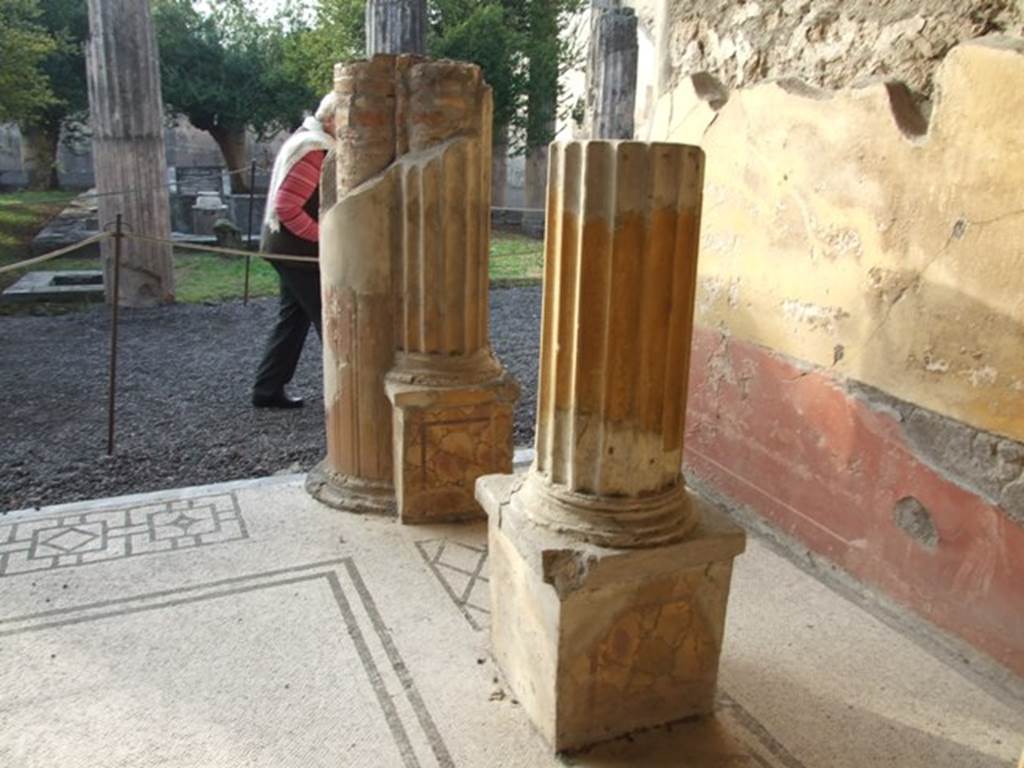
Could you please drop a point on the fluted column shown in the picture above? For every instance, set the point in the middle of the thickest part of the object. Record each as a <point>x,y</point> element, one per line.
<point>609,578</point>
<point>612,73</point>
<point>127,125</point>
<point>446,199</point>
<point>453,401</point>
<point>396,26</point>
<point>620,272</point>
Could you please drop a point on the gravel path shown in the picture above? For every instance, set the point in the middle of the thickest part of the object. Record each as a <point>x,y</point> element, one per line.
<point>184,416</point>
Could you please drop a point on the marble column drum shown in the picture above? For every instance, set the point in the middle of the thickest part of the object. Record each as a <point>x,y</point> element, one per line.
<point>609,578</point>
<point>452,399</point>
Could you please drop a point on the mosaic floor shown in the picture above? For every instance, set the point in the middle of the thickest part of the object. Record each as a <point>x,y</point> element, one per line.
<point>246,625</point>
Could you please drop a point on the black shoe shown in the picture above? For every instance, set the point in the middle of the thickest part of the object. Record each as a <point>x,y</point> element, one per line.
<point>279,399</point>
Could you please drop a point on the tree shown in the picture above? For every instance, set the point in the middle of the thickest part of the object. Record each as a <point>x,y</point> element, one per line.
<point>24,43</point>
<point>550,48</point>
<point>337,33</point>
<point>67,23</point>
<point>43,74</point>
<point>479,32</point>
<point>227,71</point>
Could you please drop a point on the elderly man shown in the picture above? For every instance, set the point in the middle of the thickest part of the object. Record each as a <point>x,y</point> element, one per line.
<point>290,226</point>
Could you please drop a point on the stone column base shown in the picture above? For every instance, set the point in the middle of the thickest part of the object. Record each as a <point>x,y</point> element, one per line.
<point>445,437</point>
<point>597,642</point>
<point>349,493</point>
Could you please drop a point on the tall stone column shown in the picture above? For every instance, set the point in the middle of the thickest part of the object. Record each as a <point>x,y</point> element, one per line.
<point>396,26</point>
<point>405,232</point>
<point>126,111</point>
<point>609,578</point>
<point>612,72</point>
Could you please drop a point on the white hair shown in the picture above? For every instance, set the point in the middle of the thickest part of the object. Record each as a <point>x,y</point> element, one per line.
<point>328,105</point>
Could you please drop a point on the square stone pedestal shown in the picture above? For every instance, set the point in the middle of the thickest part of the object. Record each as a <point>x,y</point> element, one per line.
<point>444,439</point>
<point>595,642</point>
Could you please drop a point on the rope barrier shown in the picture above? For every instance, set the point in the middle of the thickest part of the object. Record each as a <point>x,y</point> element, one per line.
<point>192,247</point>
<point>225,251</point>
<point>55,254</point>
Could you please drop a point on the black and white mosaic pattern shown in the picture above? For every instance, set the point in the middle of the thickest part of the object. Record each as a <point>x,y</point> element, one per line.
<point>80,538</point>
<point>462,571</point>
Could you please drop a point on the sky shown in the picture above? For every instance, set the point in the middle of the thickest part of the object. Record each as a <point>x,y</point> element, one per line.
<point>265,9</point>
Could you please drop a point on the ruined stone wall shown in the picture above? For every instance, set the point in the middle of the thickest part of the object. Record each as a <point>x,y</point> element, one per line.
<point>828,43</point>
<point>858,373</point>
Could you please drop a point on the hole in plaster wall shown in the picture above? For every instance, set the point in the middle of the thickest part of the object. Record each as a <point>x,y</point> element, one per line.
<point>710,89</point>
<point>798,87</point>
<point>913,518</point>
<point>905,110</point>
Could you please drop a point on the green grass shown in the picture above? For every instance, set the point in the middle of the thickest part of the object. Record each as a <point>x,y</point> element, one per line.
<point>22,214</point>
<point>205,277</point>
<point>516,257</point>
<point>34,198</point>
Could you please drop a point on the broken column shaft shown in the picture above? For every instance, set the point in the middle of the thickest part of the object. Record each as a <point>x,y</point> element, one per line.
<point>612,73</point>
<point>608,577</point>
<point>356,240</point>
<point>396,26</point>
<point>404,259</point>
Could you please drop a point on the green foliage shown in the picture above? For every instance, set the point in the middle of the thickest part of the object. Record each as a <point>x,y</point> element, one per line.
<point>67,21</point>
<point>471,30</point>
<point>337,32</point>
<point>24,45</point>
<point>523,46</point>
<point>551,48</point>
<point>225,69</point>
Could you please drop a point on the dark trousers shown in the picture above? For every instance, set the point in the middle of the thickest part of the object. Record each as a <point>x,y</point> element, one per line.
<point>300,306</point>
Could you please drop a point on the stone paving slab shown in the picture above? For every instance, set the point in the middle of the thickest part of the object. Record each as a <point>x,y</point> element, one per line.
<point>244,624</point>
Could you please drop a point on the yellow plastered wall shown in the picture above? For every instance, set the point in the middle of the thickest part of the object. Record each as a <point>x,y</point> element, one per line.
<point>844,230</point>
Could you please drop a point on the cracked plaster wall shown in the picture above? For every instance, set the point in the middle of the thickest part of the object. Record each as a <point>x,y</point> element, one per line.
<point>846,230</point>
<point>826,43</point>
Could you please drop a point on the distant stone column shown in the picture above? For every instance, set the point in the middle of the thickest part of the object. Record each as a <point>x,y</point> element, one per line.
<point>404,238</point>
<point>396,26</point>
<point>612,73</point>
<point>128,146</point>
<point>608,577</point>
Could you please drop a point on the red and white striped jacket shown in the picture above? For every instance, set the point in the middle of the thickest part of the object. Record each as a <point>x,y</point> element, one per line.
<point>295,191</point>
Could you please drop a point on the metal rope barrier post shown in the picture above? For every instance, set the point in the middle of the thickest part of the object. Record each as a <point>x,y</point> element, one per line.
<point>248,239</point>
<point>112,389</point>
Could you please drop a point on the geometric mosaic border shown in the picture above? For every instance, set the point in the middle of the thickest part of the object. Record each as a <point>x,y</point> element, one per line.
<point>345,583</point>
<point>65,541</point>
<point>461,570</point>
